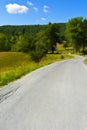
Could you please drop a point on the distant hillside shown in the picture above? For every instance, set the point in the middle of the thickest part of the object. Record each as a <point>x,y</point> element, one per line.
<point>62,27</point>
<point>10,30</point>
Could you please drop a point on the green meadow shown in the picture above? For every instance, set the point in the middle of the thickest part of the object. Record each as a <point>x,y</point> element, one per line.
<point>13,65</point>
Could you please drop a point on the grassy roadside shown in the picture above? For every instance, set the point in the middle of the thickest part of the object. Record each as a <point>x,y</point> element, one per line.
<point>13,65</point>
<point>85,61</point>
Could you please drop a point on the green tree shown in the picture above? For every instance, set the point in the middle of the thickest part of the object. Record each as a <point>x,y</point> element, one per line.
<point>4,44</point>
<point>84,34</point>
<point>43,39</point>
<point>23,43</point>
<point>13,42</point>
<point>52,32</point>
<point>38,53</point>
<point>74,32</point>
<point>40,47</point>
<point>46,40</point>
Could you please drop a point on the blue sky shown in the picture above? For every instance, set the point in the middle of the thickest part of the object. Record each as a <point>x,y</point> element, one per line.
<point>28,12</point>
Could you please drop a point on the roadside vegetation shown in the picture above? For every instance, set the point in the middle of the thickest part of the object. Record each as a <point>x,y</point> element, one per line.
<point>85,61</point>
<point>26,48</point>
<point>13,65</point>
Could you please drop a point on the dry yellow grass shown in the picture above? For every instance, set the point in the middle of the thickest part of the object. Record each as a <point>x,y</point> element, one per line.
<point>15,64</point>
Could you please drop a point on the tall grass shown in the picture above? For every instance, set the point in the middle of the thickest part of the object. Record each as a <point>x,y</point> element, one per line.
<point>85,61</point>
<point>15,64</point>
<point>61,49</point>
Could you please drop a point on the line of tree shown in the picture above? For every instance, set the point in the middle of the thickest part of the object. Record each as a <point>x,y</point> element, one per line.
<point>76,33</point>
<point>37,44</point>
<point>10,30</point>
<point>38,40</point>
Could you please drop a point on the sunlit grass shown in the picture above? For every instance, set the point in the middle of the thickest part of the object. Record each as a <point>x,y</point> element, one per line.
<point>61,49</point>
<point>13,65</point>
<point>85,61</point>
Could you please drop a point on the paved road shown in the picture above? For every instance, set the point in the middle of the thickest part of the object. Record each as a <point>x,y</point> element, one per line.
<point>50,98</point>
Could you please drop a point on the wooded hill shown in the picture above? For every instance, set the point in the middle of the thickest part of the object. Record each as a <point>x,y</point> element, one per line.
<point>12,30</point>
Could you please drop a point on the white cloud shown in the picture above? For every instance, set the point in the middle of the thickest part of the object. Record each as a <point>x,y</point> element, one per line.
<point>45,9</point>
<point>16,8</point>
<point>43,19</point>
<point>35,8</point>
<point>30,3</point>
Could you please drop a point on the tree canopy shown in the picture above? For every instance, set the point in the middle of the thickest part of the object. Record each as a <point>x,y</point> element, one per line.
<point>76,32</point>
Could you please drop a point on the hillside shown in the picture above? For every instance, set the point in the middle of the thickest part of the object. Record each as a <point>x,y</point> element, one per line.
<point>11,30</point>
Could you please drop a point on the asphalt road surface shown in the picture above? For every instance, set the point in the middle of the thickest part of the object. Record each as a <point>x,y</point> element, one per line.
<point>51,98</point>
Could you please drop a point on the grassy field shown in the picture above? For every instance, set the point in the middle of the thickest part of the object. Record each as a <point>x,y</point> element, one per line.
<point>13,65</point>
<point>61,49</point>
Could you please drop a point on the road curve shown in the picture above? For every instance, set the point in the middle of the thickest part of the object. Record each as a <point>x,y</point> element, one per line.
<point>51,98</point>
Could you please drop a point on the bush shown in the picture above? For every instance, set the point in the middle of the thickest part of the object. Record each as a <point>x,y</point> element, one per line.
<point>61,57</point>
<point>84,52</point>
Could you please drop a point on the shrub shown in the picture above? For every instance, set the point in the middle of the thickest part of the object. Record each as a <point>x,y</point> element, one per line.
<point>61,57</point>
